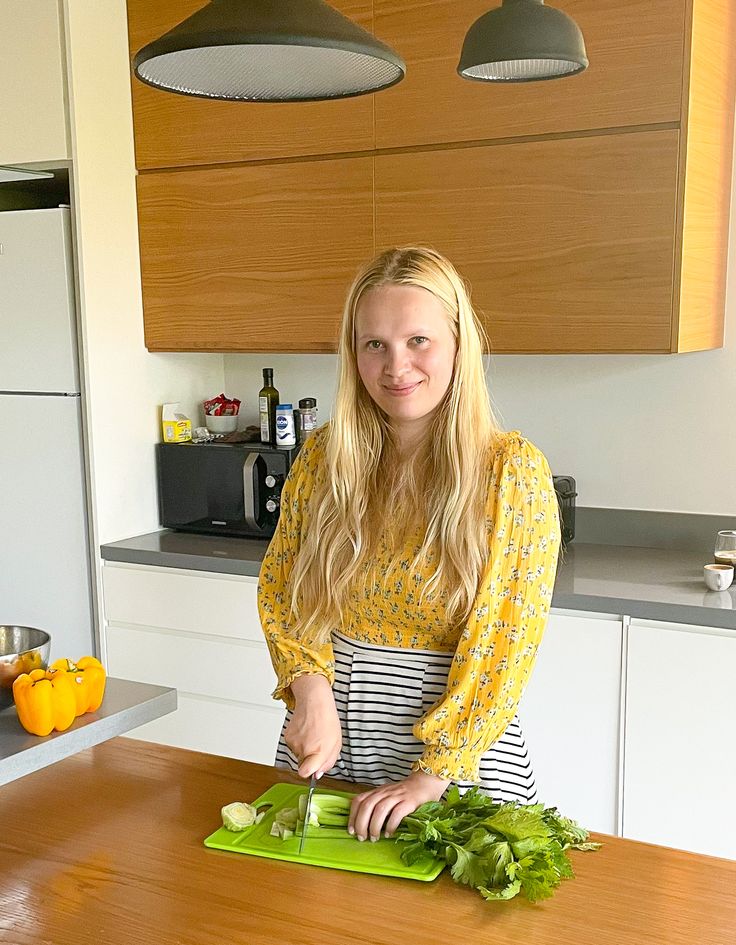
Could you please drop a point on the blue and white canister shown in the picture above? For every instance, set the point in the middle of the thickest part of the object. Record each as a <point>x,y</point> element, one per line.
<point>285,434</point>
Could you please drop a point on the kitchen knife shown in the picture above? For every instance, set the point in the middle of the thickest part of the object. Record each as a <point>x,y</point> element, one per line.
<point>312,783</point>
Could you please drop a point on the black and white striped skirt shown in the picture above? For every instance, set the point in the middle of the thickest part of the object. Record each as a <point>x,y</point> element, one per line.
<point>380,692</point>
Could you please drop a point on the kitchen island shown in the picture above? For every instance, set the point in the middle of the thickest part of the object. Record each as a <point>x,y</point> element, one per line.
<point>106,846</point>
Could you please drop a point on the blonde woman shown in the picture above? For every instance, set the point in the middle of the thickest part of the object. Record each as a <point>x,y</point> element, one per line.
<point>406,589</point>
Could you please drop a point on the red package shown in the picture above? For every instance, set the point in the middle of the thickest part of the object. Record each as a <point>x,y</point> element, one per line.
<point>222,406</point>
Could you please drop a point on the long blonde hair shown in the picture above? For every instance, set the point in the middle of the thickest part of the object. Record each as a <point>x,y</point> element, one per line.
<point>340,540</point>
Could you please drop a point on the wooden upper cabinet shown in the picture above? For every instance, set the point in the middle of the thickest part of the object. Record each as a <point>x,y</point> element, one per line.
<point>177,130</point>
<point>567,243</point>
<point>635,50</point>
<point>590,214</point>
<point>252,258</point>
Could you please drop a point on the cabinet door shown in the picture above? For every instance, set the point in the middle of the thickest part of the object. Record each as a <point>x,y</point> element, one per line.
<point>634,78</point>
<point>34,119</point>
<point>568,244</point>
<point>570,715</point>
<point>198,632</point>
<point>249,733</point>
<point>680,717</point>
<point>252,258</point>
<point>174,130</point>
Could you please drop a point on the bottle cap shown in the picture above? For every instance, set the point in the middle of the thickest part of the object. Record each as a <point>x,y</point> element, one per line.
<point>307,402</point>
<point>284,407</point>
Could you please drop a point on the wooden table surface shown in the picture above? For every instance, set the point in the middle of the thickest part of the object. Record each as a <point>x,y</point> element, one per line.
<point>105,848</point>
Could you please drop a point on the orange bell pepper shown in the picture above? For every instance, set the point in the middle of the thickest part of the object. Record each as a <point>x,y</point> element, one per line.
<point>88,676</point>
<point>45,701</point>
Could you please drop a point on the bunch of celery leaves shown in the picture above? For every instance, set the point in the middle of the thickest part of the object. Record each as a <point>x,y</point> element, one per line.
<point>498,849</point>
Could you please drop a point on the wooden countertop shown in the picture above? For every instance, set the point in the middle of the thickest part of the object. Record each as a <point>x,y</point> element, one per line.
<point>106,847</point>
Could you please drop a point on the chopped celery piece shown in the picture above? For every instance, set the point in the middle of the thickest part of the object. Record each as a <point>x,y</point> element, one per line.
<point>238,816</point>
<point>326,810</point>
<point>284,823</point>
<point>288,816</point>
<point>324,833</point>
<point>280,830</point>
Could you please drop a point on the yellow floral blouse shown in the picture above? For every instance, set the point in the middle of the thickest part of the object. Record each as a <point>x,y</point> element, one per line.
<point>494,650</point>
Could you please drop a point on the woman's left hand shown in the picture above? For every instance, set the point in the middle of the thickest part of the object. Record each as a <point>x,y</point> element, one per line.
<point>386,806</point>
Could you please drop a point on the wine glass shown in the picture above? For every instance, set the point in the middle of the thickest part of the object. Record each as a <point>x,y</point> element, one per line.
<point>725,550</point>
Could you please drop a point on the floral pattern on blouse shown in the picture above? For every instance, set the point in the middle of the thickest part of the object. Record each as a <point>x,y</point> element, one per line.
<point>494,649</point>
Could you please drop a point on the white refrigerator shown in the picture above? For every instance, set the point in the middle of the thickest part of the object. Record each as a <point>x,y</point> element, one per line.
<point>44,548</point>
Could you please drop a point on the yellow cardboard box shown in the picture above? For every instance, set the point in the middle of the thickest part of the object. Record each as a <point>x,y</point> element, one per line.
<point>176,426</point>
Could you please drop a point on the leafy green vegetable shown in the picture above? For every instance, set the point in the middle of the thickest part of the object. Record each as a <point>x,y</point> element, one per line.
<point>498,849</point>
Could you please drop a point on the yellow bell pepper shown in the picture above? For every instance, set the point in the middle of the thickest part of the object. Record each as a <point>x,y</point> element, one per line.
<point>45,701</point>
<point>88,676</point>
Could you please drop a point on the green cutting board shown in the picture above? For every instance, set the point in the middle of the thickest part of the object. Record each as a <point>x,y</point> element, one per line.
<point>382,857</point>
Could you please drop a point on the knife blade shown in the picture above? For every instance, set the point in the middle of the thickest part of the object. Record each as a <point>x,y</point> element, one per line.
<point>307,809</point>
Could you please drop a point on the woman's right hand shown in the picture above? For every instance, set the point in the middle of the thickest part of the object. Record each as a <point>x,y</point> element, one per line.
<point>313,733</point>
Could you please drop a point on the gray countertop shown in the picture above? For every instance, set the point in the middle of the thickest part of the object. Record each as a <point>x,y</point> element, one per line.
<point>654,583</point>
<point>126,706</point>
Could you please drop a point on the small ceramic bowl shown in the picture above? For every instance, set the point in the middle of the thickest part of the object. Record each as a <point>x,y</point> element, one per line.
<point>221,424</point>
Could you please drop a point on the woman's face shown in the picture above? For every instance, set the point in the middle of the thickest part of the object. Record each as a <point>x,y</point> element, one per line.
<point>406,353</point>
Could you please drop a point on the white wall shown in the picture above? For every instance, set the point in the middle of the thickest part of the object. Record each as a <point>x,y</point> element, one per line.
<point>124,383</point>
<point>636,431</point>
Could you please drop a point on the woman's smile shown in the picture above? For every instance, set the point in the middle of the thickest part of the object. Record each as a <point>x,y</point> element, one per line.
<point>402,391</point>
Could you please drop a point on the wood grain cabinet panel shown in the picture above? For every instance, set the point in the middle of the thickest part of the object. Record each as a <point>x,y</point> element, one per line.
<point>567,243</point>
<point>590,214</point>
<point>635,49</point>
<point>176,130</point>
<point>253,257</point>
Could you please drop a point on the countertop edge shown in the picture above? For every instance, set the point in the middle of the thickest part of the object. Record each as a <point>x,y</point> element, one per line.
<point>170,559</point>
<point>176,550</point>
<point>646,610</point>
<point>129,705</point>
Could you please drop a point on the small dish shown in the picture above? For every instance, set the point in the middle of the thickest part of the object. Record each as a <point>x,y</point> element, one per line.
<point>221,424</point>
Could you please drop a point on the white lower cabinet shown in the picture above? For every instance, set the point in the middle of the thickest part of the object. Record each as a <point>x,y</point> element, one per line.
<point>570,714</point>
<point>680,763</point>
<point>198,632</point>
<point>218,727</point>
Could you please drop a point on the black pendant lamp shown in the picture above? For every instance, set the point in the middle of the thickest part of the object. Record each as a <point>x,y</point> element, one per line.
<point>268,51</point>
<point>522,41</point>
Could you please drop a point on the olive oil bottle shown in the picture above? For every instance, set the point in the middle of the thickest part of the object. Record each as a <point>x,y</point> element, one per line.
<point>268,399</point>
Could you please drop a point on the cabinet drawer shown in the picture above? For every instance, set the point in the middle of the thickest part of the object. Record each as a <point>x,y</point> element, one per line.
<point>205,667</point>
<point>194,601</point>
<point>218,728</point>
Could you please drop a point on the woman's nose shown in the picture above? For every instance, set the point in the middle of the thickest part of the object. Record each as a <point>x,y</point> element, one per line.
<point>396,363</point>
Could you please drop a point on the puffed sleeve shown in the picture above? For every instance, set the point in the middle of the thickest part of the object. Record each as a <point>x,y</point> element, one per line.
<point>498,644</point>
<point>290,657</point>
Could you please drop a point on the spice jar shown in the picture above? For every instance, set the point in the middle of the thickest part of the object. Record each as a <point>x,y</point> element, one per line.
<point>307,417</point>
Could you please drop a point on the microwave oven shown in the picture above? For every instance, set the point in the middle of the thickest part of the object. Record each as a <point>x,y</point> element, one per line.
<point>221,488</point>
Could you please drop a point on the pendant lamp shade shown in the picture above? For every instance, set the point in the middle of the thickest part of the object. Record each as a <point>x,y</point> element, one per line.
<point>268,51</point>
<point>522,41</point>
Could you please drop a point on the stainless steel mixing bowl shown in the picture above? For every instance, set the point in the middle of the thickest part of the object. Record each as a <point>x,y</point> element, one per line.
<point>21,650</point>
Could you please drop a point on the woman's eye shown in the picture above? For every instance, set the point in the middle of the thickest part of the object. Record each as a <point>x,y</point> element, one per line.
<point>374,345</point>
<point>420,339</point>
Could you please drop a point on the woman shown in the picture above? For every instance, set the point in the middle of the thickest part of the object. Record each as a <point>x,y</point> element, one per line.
<point>407,586</point>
